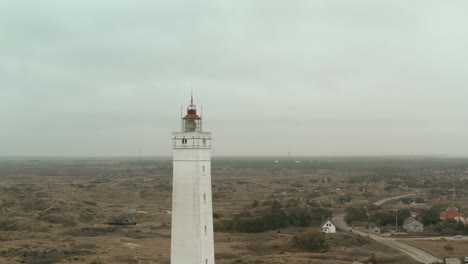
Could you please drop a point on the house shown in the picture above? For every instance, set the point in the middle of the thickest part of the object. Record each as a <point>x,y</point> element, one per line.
<point>362,189</point>
<point>405,200</point>
<point>412,201</point>
<point>453,261</point>
<point>374,229</point>
<point>418,201</point>
<point>328,227</point>
<point>451,213</point>
<point>412,225</point>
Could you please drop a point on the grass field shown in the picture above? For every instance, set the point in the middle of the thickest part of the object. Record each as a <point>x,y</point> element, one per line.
<point>56,211</point>
<point>441,248</point>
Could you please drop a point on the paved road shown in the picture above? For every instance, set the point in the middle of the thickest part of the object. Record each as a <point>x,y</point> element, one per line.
<point>451,238</point>
<point>415,253</point>
<point>380,202</point>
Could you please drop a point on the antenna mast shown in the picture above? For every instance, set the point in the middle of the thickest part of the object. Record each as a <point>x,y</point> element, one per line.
<point>191,97</point>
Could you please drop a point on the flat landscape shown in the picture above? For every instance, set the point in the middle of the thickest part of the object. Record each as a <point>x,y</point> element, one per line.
<point>59,210</point>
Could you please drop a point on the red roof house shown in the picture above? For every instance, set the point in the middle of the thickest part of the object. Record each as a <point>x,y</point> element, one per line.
<point>450,213</point>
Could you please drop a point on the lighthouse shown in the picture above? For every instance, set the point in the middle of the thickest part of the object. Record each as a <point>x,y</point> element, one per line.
<point>192,213</point>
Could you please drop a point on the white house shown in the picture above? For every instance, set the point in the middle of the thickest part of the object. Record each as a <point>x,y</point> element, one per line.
<point>374,229</point>
<point>328,227</point>
<point>412,225</point>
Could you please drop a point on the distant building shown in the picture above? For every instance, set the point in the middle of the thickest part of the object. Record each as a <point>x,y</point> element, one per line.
<point>374,229</point>
<point>344,199</point>
<point>412,201</point>
<point>450,213</point>
<point>412,225</point>
<point>362,189</point>
<point>328,227</point>
<point>453,261</point>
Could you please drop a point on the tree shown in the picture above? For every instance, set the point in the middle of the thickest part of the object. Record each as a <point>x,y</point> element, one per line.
<point>402,215</point>
<point>319,214</point>
<point>383,218</point>
<point>429,216</point>
<point>356,214</point>
<point>274,218</point>
<point>298,216</point>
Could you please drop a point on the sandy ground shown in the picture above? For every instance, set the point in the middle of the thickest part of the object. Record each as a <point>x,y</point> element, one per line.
<point>57,212</point>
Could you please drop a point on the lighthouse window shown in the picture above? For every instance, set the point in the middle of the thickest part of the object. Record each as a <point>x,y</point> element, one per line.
<point>205,229</point>
<point>204,141</point>
<point>184,141</point>
<point>203,168</point>
<point>204,198</point>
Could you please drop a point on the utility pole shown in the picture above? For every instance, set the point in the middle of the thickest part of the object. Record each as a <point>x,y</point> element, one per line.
<point>396,221</point>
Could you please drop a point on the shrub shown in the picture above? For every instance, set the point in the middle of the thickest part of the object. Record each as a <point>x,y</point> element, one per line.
<point>311,241</point>
<point>255,204</point>
<point>216,216</point>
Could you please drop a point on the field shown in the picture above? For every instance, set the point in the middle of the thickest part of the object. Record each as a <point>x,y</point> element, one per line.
<point>57,210</point>
<point>441,248</point>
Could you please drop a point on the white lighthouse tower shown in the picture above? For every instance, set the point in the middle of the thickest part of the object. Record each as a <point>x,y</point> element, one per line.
<point>192,214</point>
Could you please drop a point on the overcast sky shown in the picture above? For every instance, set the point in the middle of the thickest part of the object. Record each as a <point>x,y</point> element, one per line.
<point>329,77</point>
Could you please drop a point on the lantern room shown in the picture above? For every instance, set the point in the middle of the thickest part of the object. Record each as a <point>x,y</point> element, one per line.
<point>191,122</point>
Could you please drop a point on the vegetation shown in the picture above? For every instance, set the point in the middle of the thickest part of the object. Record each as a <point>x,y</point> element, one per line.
<point>356,214</point>
<point>451,227</point>
<point>429,217</point>
<point>383,218</point>
<point>372,259</point>
<point>313,241</point>
<point>273,217</point>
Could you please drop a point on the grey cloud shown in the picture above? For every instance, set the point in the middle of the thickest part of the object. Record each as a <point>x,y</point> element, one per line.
<point>101,77</point>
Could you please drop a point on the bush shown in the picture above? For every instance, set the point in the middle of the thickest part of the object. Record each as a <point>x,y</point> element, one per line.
<point>255,204</point>
<point>216,216</point>
<point>291,203</point>
<point>311,241</point>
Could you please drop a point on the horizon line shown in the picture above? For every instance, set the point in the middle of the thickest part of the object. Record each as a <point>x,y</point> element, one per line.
<point>240,156</point>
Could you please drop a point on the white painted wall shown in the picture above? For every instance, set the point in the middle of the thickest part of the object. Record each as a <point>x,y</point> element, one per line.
<point>328,227</point>
<point>192,214</point>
